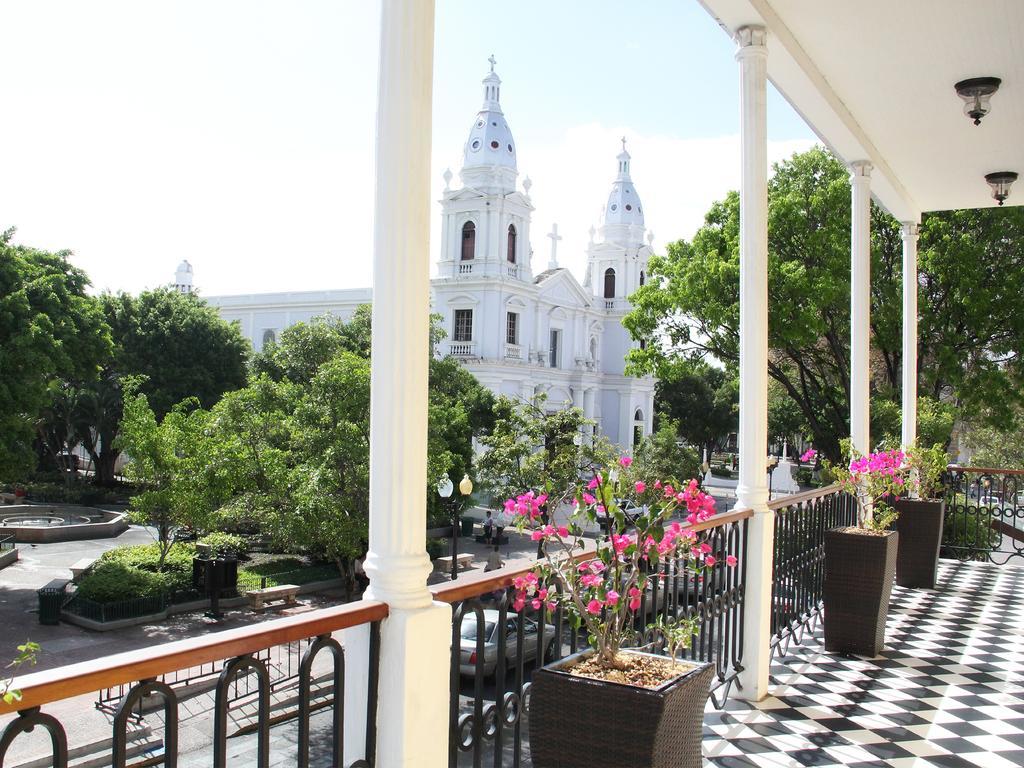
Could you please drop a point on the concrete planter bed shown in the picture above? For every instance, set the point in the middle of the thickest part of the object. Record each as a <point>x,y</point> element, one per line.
<point>48,523</point>
<point>171,609</point>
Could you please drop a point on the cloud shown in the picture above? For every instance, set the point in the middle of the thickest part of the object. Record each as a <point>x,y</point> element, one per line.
<point>677,180</point>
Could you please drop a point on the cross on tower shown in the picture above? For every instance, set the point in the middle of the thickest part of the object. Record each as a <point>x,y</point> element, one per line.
<point>623,143</point>
<point>493,61</point>
<point>555,237</point>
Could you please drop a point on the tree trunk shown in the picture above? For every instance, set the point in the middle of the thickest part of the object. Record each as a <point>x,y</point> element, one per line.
<point>105,463</point>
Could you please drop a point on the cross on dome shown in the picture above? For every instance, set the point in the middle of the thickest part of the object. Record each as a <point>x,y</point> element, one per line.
<point>623,143</point>
<point>492,60</point>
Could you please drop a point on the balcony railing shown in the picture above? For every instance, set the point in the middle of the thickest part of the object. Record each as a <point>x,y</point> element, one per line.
<point>156,672</point>
<point>798,559</point>
<point>513,352</point>
<point>487,722</point>
<point>984,514</point>
<point>466,268</point>
<point>512,270</point>
<point>462,349</point>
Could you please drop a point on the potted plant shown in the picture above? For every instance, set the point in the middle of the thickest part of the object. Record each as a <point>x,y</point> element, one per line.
<point>920,519</point>
<point>860,560</point>
<point>642,708</point>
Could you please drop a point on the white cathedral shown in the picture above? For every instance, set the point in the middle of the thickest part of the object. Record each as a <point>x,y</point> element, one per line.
<point>519,329</point>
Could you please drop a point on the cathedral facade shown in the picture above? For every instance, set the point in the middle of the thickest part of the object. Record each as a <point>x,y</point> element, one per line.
<point>519,328</point>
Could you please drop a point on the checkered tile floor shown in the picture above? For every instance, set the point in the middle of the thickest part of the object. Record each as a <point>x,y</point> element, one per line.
<point>948,691</point>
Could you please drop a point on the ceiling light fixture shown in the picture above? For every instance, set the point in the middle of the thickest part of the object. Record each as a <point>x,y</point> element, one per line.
<point>976,93</point>
<point>1000,182</point>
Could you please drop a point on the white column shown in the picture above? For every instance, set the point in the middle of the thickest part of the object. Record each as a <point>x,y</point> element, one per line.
<point>910,229</point>
<point>860,305</point>
<point>752,488</point>
<point>415,639</point>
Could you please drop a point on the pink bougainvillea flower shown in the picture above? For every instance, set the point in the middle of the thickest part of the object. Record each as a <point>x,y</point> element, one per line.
<point>634,604</point>
<point>612,598</point>
<point>563,532</point>
<point>809,455</point>
<point>536,603</point>
<point>705,547</point>
<point>657,485</point>
<point>710,560</point>
<point>625,461</point>
<point>640,486</point>
<point>594,482</point>
<point>518,603</point>
<point>730,560</point>
<point>588,499</point>
<point>594,607</point>
<point>536,535</point>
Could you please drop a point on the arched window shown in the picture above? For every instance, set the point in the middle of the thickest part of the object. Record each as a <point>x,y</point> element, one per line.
<point>609,283</point>
<point>468,241</point>
<point>269,337</point>
<point>641,277</point>
<point>638,426</point>
<point>511,244</point>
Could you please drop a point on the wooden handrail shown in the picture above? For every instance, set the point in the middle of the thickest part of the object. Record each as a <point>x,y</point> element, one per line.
<point>803,497</point>
<point>986,470</point>
<point>480,583</point>
<point>40,688</point>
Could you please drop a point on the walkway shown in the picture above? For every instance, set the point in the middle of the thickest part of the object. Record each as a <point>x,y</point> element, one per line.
<point>947,692</point>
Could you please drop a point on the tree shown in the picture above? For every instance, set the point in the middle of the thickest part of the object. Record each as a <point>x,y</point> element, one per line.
<point>534,448</point>
<point>968,353</point>
<point>289,453</point>
<point>168,460</point>
<point>177,346</point>
<point>699,399</point>
<point>49,329</point>
<point>660,455</point>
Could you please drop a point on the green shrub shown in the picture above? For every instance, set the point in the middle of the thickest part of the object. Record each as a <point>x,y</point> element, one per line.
<point>112,581</point>
<point>971,534</point>
<point>436,548</point>
<point>146,557</point>
<point>803,476</point>
<point>225,543</point>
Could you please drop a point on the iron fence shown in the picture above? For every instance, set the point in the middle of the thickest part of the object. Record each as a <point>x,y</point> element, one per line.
<point>984,517</point>
<point>798,560</point>
<point>6,541</point>
<point>233,656</point>
<point>495,650</point>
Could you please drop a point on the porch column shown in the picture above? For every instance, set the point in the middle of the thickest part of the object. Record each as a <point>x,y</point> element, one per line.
<point>860,305</point>
<point>415,638</point>
<point>910,230</point>
<point>752,489</point>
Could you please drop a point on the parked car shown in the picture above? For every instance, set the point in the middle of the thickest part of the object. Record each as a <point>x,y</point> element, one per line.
<point>492,627</point>
<point>990,500</point>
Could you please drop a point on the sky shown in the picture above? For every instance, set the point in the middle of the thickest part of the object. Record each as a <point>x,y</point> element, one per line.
<point>240,135</point>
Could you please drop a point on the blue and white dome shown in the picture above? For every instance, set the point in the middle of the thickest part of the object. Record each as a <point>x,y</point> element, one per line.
<point>490,140</point>
<point>624,206</point>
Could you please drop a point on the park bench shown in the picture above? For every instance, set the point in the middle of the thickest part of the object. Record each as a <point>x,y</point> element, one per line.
<point>462,561</point>
<point>79,567</point>
<point>258,597</point>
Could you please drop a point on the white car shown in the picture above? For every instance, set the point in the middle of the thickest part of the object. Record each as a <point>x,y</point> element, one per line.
<point>492,628</point>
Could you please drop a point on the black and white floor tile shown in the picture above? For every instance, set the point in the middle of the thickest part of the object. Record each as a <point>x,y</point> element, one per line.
<point>948,691</point>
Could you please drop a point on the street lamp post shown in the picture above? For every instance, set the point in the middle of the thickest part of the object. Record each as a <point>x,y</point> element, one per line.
<point>445,488</point>
<point>771,464</point>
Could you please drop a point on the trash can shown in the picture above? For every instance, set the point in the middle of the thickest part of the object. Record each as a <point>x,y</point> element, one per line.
<point>51,600</point>
<point>467,526</point>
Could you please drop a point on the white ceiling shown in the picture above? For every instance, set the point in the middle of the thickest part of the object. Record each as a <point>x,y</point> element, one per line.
<point>874,79</point>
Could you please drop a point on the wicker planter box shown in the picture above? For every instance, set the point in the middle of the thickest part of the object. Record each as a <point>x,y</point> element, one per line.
<point>859,571</point>
<point>920,529</point>
<point>586,723</point>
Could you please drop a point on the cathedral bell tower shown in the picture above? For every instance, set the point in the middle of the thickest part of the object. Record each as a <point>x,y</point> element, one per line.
<point>617,260</point>
<point>486,222</point>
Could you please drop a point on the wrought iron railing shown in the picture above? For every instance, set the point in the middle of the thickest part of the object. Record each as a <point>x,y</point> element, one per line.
<point>490,682</point>
<point>151,671</point>
<point>798,559</point>
<point>984,514</point>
